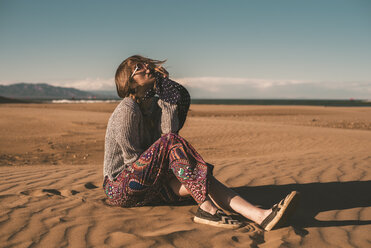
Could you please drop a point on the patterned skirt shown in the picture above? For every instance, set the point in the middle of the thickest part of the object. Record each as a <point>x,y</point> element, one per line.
<point>147,181</point>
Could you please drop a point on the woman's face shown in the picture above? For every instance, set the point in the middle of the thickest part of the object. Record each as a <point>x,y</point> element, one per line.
<point>142,76</point>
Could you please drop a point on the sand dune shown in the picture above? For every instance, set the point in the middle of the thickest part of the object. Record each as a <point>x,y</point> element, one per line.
<point>51,176</point>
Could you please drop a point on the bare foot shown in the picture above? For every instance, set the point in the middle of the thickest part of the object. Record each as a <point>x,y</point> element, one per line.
<point>264,215</point>
<point>209,206</point>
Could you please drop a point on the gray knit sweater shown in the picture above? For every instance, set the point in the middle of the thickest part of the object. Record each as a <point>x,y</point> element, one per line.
<point>128,135</point>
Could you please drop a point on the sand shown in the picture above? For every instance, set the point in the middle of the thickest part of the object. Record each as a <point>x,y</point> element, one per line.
<point>51,177</point>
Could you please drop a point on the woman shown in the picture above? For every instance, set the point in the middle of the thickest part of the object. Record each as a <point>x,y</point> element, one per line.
<point>146,162</point>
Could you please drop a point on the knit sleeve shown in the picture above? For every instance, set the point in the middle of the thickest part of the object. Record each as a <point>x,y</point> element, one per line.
<point>127,135</point>
<point>174,101</point>
<point>169,117</point>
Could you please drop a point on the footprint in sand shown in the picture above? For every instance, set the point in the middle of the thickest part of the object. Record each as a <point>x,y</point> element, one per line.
<point>90,185</point>
<point>74,192</point>
<point>41,192</point>
<point>67,192</point>
<point>50,192</point>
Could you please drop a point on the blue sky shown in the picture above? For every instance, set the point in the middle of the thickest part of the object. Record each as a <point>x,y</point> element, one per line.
<point>217,49</point>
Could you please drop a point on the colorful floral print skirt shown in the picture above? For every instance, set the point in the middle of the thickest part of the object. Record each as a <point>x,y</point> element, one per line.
<point>146,182</point>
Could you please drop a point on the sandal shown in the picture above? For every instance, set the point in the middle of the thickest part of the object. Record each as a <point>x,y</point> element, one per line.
<point>219,219</point>
<point>281,212</point>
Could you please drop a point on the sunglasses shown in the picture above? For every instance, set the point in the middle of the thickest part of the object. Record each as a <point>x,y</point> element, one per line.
<point>137,67</point>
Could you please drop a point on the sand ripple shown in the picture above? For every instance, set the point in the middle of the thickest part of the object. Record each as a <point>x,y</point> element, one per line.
<point>262,153</point>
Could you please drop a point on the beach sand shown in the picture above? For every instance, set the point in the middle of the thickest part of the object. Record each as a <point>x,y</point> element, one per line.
<point>51,177</point>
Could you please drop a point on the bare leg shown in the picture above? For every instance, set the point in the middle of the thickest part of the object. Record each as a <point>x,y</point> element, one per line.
<point>224,197</point>
<point>228,199</point>
<point>177,187</point>
<point>180,190</point>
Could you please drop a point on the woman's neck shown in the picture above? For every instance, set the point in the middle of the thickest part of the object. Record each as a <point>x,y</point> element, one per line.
<point>144,104</point>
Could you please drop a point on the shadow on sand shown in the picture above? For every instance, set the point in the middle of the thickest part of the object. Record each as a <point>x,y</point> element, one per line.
<point>315,198</point>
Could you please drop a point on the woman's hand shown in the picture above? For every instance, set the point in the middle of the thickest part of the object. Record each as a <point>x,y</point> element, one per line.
<point>162,70</point>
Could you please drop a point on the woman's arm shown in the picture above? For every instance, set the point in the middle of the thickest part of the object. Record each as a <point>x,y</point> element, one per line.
<point>122,144</point>
<point>169,117</point>
<point>127,132</point>
<point>174,102</point>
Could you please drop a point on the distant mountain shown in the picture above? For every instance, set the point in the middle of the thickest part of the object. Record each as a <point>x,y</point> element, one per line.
<point>44,91</point>
<point>10,100</point>
<point>111,94</point>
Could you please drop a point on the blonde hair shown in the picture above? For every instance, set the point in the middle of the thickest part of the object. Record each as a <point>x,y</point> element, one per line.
<point>126,68</point>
